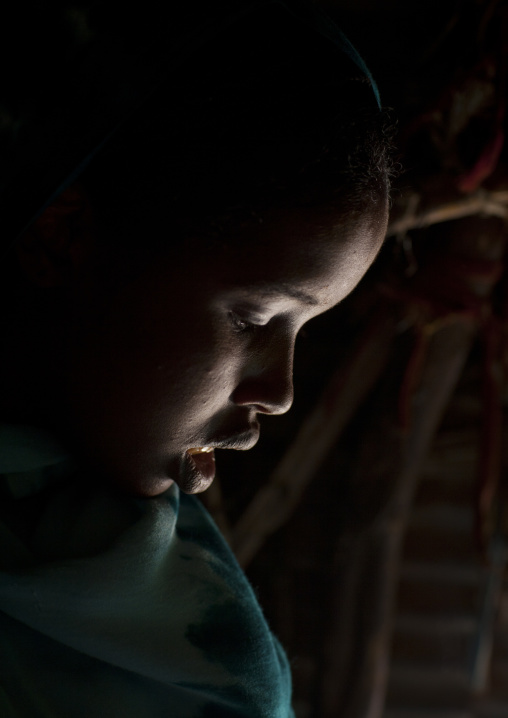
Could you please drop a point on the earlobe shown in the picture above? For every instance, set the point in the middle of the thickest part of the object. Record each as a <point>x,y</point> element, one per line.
<point>52,248</point>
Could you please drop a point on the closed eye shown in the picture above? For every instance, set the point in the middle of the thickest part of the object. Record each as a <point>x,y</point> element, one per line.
<point>241,325</point>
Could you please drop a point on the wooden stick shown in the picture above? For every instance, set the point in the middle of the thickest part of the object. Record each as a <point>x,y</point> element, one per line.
<point>484,639</point>
<point>348,387</point>
<point>491,204</point>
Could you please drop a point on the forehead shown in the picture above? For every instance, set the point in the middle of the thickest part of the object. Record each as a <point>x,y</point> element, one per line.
<point>271,266</point>
<point>308,253</point>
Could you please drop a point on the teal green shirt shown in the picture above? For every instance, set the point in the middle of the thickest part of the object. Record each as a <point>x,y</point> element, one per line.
<point>123,607</point>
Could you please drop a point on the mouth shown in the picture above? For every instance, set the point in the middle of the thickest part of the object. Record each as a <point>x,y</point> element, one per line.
<point>198,470</point>
<point>203,458</point>
<point>239,441</point>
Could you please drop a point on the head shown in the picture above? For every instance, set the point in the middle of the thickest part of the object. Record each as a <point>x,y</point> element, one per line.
<point>243,201</point>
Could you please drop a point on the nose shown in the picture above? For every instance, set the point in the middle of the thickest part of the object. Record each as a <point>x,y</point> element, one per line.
<point>266,382</point>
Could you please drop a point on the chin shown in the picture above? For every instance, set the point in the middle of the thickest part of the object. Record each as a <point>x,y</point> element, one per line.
<point>144,489</point>
<point>195,477</point>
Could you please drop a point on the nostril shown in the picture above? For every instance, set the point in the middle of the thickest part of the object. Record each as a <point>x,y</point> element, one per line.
<point>263,398</point>
<point>266,382</point>
<point>260,409</point>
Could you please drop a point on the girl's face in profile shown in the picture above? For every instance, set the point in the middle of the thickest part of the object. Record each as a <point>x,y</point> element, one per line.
<point>189,353</point>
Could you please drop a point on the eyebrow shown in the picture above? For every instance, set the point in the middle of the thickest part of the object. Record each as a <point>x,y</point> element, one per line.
<point>289,291</point>
<point>296,294</point>
<point>275,289</point>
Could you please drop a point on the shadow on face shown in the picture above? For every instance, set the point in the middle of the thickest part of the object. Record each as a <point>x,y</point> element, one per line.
<point>186,352</point>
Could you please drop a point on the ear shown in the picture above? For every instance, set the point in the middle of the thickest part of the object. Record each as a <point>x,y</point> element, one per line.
<point>58,242</point>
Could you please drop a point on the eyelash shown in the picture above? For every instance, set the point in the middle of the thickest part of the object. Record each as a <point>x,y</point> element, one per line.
<point>240,325</point>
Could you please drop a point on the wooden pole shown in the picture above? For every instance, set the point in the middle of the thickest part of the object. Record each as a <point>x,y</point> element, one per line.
<point>484,203</point>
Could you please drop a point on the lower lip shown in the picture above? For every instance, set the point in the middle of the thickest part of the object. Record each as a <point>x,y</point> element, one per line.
<point>198,472</point>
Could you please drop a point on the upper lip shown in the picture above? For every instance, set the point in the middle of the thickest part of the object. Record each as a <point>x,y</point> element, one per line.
<point>239,440</point>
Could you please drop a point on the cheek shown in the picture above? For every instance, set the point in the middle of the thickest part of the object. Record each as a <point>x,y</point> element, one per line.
<point>189,383</point>
<point>152,401</point>
<point>162,360</point>
<point>182,368</point>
